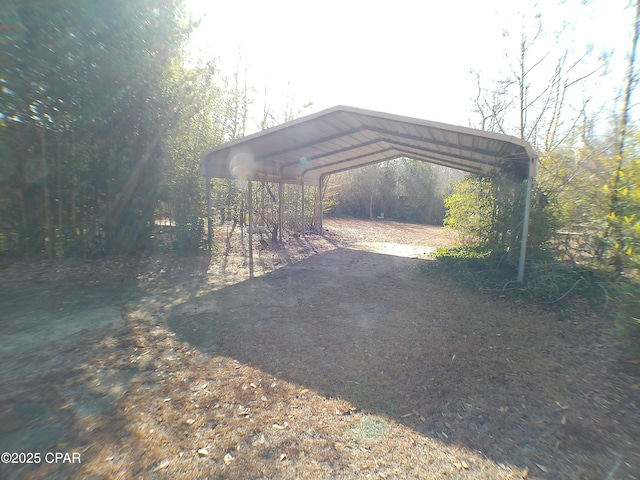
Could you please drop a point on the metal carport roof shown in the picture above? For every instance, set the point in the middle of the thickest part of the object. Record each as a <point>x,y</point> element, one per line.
<point>305,150</point>
<point>341,138</point>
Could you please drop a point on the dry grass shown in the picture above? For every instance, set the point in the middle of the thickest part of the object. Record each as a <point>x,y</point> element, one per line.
<point>338,361</point>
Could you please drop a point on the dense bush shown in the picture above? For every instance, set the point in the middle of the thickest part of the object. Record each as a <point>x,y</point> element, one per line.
<point>489,212</point>
<point>189,234</point>
<point>402,189</point>
<point>627,318</point>
<point>548,283</point>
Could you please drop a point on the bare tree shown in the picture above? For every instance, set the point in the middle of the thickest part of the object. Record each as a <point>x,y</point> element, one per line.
<point>540,99</point>
<point>492,105</point>
<point>236,105</point>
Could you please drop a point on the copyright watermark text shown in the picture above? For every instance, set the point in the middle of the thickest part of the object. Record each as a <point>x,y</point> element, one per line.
<point>25,458</point>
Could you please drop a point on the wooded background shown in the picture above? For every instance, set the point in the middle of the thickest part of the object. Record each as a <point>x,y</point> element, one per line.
<point>104,114</point>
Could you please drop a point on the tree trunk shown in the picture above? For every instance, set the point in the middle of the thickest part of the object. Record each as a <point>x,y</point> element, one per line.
<point>74,189</point>
<point>60,227</point>
<point>613,219</point>
<point>372,180</point>
<point>371,204</point>
<point>47,206</point>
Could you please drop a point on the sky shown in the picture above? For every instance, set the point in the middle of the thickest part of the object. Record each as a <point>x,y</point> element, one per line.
<point>407,57</point>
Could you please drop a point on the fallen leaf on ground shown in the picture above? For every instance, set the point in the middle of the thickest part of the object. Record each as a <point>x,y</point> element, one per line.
<point>203,452</point>
<point>541,467</point>
<point>163,464</point>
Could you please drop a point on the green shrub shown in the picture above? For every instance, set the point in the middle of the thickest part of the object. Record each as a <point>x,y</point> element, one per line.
<point>475,265</point>
<point>548,283</point>
<point>489,212</point>
<point>627,318</point>
<point>4,243</point>
<point>189,235</point>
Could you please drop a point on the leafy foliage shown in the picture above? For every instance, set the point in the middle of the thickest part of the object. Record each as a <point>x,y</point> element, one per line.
<point>470,210</point>
<point>548,283</point>
<point>582,183</point>
<point>585,229</point>
<point>403,189</point>
<point>489,212</point>
<point>189,235</point>
<point>621,237</point>
<point>627,319</point>
<point>86,100</point>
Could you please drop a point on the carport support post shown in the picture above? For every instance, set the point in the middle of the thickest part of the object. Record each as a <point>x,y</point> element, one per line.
<point>525,223</point>
<point>280,210</point>
<point>320,195</point>
<point>209,233</point>
<point>304,229</point>
<point>250,192</point>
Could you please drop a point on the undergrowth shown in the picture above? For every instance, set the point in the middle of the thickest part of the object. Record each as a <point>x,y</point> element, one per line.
<point>626,328</point>
<point>544,282</point>
<point>554,285</point>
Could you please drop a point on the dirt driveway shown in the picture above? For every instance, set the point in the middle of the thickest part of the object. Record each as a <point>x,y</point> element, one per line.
<point>344,358</point>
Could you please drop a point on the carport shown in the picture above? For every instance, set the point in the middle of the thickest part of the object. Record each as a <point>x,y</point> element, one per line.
<point>306,150</point>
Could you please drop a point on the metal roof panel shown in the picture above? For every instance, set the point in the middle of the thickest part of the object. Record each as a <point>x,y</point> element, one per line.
<point>342,138</point>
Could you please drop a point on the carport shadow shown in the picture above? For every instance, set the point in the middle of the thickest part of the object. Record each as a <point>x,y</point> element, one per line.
<point>45,329</point>
<point>370,329</point>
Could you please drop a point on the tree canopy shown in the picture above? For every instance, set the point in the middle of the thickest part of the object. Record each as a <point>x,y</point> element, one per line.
<point>88,93</point>
<point>103,119</point>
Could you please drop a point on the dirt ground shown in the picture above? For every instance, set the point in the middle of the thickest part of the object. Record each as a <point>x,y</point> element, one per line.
<point>345,357</point>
